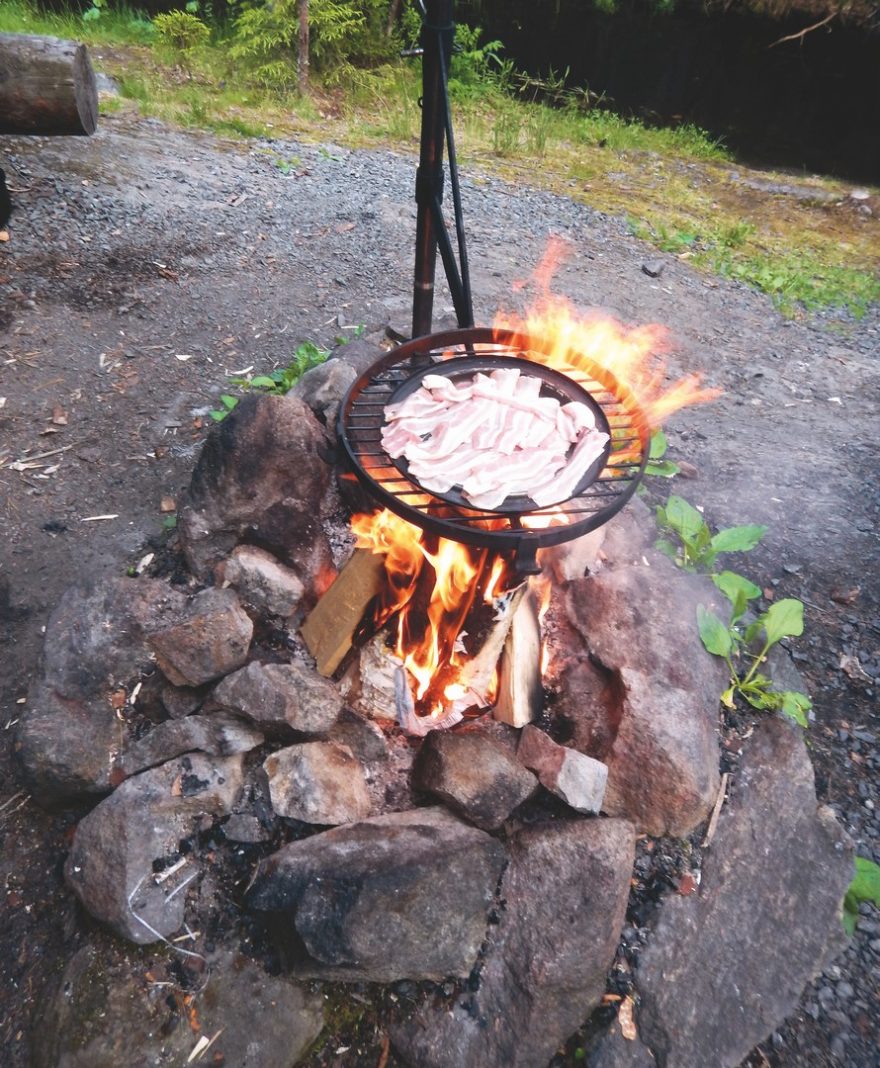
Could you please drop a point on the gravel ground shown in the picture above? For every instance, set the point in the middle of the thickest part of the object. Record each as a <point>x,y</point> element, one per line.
<point>146,264</point>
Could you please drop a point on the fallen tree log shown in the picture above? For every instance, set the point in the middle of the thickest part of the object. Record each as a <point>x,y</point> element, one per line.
<point>47,86</point>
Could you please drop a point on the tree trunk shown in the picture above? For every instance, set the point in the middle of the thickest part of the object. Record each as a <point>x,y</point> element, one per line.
<point>47,86</point>
<point>302,57</point>
<point>393,14</point>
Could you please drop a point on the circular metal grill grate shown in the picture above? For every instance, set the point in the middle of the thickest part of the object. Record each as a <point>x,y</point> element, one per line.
<point>519,533</point>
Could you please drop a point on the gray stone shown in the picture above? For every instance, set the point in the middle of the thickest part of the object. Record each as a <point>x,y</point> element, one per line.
<point>653,268</point>
<point>577,779</point>
<point>100,1013</point>
<point>630,536</point>
<point>218,735</point>
<point>260,480</point>
<point>209,638</point>
<point>111,863</point>
<point>726,966</point>
<point>323,387</point>
<point>263,582</point>
<point>67,746</point>
<point>242,827</point>
<point>615,1051</point>
<point>360,353</point>
<point>474,775</point>
<point>402,896</point>
<point>180,701</point>
<point>95,637</point>
<point>290,696</point>
<point>573,559</point>
<point>69,734</point>
<point>318,782</point>
<point>545,965</point>
<point>641,693</point>
<point>362,736</point>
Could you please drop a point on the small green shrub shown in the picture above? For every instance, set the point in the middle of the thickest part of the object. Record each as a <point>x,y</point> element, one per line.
<point>181,32</point>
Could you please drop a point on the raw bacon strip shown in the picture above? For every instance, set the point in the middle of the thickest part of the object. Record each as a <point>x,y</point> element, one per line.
<point>563,484</point>
<point>494,436</point>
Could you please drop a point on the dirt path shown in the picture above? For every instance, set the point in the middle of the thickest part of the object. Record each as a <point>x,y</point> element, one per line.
<point>145,265</point>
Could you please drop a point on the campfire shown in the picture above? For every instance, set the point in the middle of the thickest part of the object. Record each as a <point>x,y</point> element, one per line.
<point>487,451</point>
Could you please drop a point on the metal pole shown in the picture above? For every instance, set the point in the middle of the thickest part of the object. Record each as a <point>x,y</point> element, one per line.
<point>429,177</point>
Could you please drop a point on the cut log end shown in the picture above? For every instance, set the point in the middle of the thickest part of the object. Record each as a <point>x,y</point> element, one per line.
<point>47,87</point>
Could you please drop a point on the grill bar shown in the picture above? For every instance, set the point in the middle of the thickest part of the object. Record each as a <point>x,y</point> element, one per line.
<point>361,418</point>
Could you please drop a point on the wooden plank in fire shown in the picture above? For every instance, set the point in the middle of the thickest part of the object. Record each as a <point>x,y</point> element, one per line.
<point>329,629</point>
<point>478,671</point>
<point>520,693</point>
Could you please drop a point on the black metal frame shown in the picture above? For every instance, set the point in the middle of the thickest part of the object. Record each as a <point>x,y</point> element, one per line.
<point>359,432</point>
<point>437,37</point>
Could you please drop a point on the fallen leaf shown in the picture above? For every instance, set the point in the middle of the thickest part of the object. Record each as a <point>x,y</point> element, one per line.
<point>687,885</point>
<point>851,667</point>
<point>343,227</point>
<point>846,596</point>
<point>168,504</point>
<point>176,787</point>
<point>4,235</point>
<point>626,1020</point>
<point>118,698</point>
<point>59,416</point>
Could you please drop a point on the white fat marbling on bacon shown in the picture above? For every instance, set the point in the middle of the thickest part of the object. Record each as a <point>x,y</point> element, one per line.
<point>563,484</point>
<point>494,436</point>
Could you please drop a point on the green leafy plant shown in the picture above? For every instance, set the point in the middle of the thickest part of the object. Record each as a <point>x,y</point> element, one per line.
<point>698,547</point>
<point>227,402</point>
<point>864,887</point>
<point>736,641</point>
<point>280,381</point>
<point>657,466</point>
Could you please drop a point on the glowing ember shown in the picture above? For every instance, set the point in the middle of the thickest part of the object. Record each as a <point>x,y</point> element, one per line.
<point>584,341</point>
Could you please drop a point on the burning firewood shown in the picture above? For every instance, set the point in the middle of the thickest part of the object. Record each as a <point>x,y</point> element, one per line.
<point>330,627</point>
<point>520,693</point>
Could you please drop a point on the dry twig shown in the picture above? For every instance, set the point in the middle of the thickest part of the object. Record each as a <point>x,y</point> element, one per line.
<point>803,33</point>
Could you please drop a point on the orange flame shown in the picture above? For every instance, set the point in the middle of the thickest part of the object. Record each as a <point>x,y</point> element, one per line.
<point>433,582</point>
<point>426,633</point>
<point>570,340</point>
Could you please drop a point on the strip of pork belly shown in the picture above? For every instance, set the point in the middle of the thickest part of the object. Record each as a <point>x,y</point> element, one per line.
<point>515,473</point>
<point>396,439</point>
<point>458,425</point>
<point>561,486</point>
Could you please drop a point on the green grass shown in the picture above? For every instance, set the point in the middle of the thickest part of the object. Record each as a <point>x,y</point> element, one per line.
<point>119,25</point>
<point>674,185</point>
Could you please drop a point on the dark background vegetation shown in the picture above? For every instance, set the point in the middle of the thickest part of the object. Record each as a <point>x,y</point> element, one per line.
<point>807,103</point>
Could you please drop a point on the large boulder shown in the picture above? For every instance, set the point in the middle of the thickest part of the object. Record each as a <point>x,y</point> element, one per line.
<point>724,967</point>
<point>123,848</point>
<point>401,896</point>
<point>639,692</point>
<point>546,962</point>
<point>69,733</point>
<point>260,480</point>
<point>103,1013</point>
